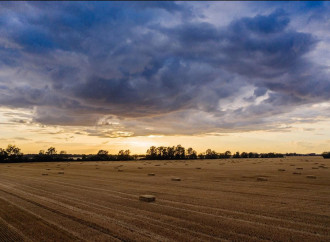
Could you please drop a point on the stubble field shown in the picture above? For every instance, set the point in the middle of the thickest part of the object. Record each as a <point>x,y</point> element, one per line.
<point>216,200</point>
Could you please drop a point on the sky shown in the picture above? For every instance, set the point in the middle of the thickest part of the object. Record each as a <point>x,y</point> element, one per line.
<point>238,76</point>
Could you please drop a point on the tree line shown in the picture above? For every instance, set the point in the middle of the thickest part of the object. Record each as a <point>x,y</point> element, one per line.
<point>179,153</point>
<point>13,154</point>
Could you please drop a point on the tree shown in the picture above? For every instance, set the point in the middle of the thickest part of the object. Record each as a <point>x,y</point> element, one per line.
<point>151,153</point>
<point>101,155</point>
<point>13,152</point>
<point>244,155</point>
<point>102,152</point>
<point>124,155</point>
<point>51,151</point>
<point>180,152</point>
<point>127,152</point>
<point>211,154</point>
<point>3,155</point>
<point>160,152</point>
<point>171,152</point>
<point>227,154</point>
<point>236,155</point>
<point>191,153</point>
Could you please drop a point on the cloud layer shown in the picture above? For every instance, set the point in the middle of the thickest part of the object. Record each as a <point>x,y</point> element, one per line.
<point>130,68</point>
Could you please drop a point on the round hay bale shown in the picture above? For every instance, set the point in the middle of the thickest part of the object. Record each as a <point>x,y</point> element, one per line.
<point>147,198</point>
<point>262,179</point>
<point>311,176</point>
<point>151,174</point>
<point>176,179</point>
<point>198,168</point>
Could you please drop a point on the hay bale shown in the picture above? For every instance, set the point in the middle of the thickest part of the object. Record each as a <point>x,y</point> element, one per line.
<point>296,173</point>
<point>140,167</point>
<point>299,168</point>
<point>281,169</point>
<point>157,165</point>
<point>61,172</point>
<point>311,176</point>
<point>198,168</point>
<point>44,174</point>
<point>48,169</point>
<point>176,179</point>
<point>151,174</point>
<point>147,198</point>
<point>262,179</point>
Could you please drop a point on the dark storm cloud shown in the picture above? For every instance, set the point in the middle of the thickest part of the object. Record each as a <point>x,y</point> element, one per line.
<point>76,62</point>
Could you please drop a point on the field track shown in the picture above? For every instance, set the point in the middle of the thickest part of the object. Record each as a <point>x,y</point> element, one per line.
<point>222,201</point>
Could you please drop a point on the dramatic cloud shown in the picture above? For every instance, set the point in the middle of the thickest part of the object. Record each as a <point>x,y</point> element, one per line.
<point>161,67</point>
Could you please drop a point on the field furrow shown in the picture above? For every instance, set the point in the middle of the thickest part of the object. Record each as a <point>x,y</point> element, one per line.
<point>222,201</point>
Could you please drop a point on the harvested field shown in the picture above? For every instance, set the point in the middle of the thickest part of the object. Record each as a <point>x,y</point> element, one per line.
<point>214,203</point>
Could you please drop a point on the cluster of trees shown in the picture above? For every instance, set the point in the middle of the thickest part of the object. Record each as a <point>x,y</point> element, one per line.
<point>179,153</point>
<point>170,153</point>
<point>103,155</point>
<point>51,154</point>
<point>211,154</point>
<point>11,153</point>
<point>256,155</point>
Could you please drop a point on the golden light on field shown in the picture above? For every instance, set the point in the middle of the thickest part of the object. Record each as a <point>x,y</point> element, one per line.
<point>177,200</point>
